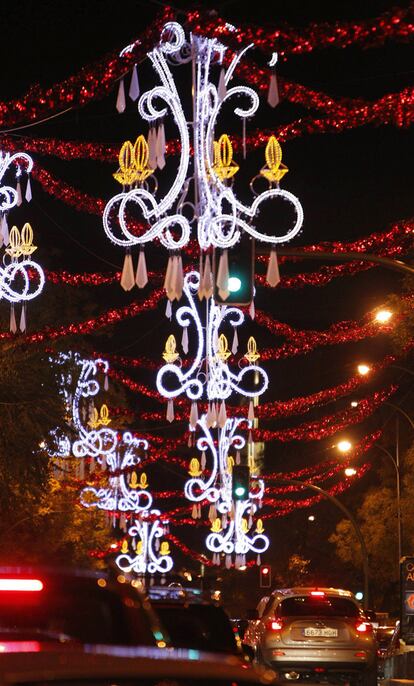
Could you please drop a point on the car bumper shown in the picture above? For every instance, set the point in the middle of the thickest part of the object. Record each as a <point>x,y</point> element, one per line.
<point>329,659</point>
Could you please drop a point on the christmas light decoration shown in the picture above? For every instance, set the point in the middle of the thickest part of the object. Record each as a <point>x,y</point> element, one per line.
<point>232,530</point>
<point>395,24</point>
<point>21,279</point>
<point>149,555</point>
<point>221,218</point>
<point>211,352</point>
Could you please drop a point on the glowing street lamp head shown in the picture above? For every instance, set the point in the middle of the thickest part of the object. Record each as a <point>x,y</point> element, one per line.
<point>363,369</point>
<point>350,471</point>
<point>344,446</point>
<point>383,316</point>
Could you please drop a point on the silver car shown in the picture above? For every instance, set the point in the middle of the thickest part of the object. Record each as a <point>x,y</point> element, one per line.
<point>314,634</point>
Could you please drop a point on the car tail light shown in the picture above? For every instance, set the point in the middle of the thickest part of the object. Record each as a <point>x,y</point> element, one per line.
<point>274,625</point>
<point>318,594</point>
<point>21,585</point>
<point>364,627</point>
<point>20,647</point>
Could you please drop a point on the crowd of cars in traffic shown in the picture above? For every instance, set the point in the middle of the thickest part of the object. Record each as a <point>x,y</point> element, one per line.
<point>73,627</point>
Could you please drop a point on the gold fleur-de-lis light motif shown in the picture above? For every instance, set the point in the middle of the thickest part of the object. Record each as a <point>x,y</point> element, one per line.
<point>133,162</point>
<point>143,481</point>
<point>133,482</point>
<point>99,419</point>
<point>252,355</point>
<point>244,525</point>
<point>223,352</point>
<point>124,546</point>
<point>165,548</point>
<point>230,464</point>
<point>94,420</point>
<point>259,526</point>
<point>141,157</point>
<point>139,548</point>
<point>275,170</point>
<point>21,243</point>
<point>194,469</point>
<point>104,416</point>
<point>223,165</point>
<point>216,526</point>
<point>170,354</point>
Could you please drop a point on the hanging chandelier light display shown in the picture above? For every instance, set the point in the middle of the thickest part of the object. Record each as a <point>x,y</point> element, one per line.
<point>126,497</point>
<point>21,278</point>
<point>233,531</point>
<point>209,377</point>
<point>209,374</point>
<point>213,214</point>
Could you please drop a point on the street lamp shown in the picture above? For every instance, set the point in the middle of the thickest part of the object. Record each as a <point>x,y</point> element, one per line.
<point>363,369</point>
<point>383,316</point>
<point>347,446</point>
<point>349,515</point>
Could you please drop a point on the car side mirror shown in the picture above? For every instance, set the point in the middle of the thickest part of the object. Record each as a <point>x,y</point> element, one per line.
<point>248,652</point>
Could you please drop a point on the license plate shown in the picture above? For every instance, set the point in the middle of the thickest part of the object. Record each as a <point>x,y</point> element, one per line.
<point>326,631</point>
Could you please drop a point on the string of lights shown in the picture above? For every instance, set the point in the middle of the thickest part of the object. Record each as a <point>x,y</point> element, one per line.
<point>330,424</point>
<point>396,24</point>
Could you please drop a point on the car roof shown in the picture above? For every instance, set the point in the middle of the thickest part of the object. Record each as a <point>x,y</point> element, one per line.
<point>306,590</point>
<point>179,594</point>
<point>123,662</point>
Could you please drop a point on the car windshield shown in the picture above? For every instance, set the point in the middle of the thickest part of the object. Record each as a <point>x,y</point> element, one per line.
<point>203,627</point>
<point>321,606</point>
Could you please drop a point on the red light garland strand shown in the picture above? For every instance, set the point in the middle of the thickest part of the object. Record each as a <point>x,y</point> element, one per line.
<point>330,424</point>
<point>90,325</point>
<point>90,83</point>
<point>396,24</point>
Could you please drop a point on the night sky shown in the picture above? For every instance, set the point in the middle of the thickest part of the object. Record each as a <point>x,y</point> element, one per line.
<point>350,185</point>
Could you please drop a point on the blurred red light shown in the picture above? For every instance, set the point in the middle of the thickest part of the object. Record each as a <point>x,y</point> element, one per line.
<point>363,627</point>
<point>21,585</point>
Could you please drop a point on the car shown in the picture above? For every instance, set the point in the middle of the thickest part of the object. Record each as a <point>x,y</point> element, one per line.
<point>193,619</point>
<point>384,636</point>
<point>73,606</point>
<point>316,634</point>
<point>128,666</point>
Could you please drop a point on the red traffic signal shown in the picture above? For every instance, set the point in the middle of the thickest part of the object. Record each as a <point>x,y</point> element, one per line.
<point>265,576</point>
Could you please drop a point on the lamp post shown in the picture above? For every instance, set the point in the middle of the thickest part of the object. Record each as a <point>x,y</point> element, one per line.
<point>396,463</point>
<point>349,515</point>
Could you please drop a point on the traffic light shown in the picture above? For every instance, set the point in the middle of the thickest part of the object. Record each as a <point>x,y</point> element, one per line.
<point>241,273</point>
<point>265,576</point>
<point>240,482</point>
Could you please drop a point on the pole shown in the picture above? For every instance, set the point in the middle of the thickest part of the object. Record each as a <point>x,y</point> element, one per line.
<point>349,515</point>
<point>397,462</point>
<point>387,262</point>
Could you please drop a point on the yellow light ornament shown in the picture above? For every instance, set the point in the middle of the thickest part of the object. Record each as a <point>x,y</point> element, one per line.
<point>244,525</point>
<point>124,546</point>
<point>126,175</point>
<point>141,157</point>
<point>94,420</point>
<point>259,526</point>
<point>165,548</point>
<point>216,526</point>
<point>143,481</point>
<point>139,548</point>
<point>223,165</point>
<point>194,469</point>
<point>134,481</point>
<point>252,355</point>
<point>230,464</point>
<point>223,352</point>
<point>275,170</point>
<point>170,354</point>
<point>104,416</point>
<point>21,243</point>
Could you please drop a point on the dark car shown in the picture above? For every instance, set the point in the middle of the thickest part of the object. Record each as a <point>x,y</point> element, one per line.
<point>73,606</point>
<point>193,620</point>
